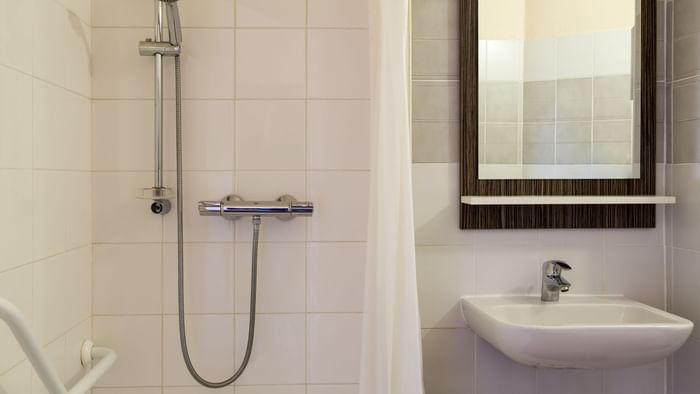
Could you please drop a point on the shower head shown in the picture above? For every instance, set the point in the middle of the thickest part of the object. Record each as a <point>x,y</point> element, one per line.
<point>174,27</point>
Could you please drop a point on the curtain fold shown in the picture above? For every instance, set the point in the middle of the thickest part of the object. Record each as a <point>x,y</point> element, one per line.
<point>391,346</point>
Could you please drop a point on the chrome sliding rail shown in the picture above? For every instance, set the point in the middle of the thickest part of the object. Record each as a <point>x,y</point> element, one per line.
<point>104,357</point>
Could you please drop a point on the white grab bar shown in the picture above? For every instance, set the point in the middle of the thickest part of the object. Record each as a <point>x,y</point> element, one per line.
<point>104,358</point>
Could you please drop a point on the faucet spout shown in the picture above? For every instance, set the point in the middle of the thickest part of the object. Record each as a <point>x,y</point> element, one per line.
<point>552,282</point>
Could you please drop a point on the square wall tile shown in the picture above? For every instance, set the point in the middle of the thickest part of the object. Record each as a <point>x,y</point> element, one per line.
<point>270,135</point>
<point>136,267</point>
<point>271,13</point>
<point>15,119</point>
<point>338,64</point>
<point>211,346</point>
<point>550,381</point>
<point>122,135</point>
<point>301,389</point>
<point>17,21</point>
<point>491,368</point>
<point>338,13</point>
<point>338,135</point>
<point>16,241</point>
<point>332,192</point>
<point>270,64</point>
<point>331,360</point>
<point>279,356</point>
<point>15,287</point>
<point>207,65</point>
<point>209,278</point>
<point>137,340</point>
<point>117,69</point>
<point>208,135</point>
<point>129,219</point>
<point>269,186</point>
<point>445,273</point>
<point>449,361</point>
<point>200,186</point>
<point>335,277</point>
<point>575,56</point>
<point>281,278</point>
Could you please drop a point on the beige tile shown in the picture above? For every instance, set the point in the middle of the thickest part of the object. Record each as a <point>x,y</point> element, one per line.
<point>209,278</point>
<point>647,285</point>
<point>500,153</point>
<point>686,96</point>
<point>502,102</point>
<point>269,186</point>
<point>500,133</point>
<point>207,65</point>
<point>449,361</point>
<point>122,135</point>
<point>612,108</point>
<point>612,153</point>
<point>281,277</point>
<point>301,389</point>
<point>129,219</point>
<point>685,56</point>
<point>574,153</point>
<point>208,135</point>
<point>270,135</point>
<point>270,366</point>
<point>551,381</point>
<point>335,277</point>
<point>16,241</point>
<point>614,86</point>
<point>686,266</point>
<point>270,64</point>
<point>15,119</point>
<point>568,132</point>
<point>523,262</point>
<point>338,135</point>
<point>15,287</point>
<point>435,101</point>
<point>685,376</point>
<point>17,34</point>
<point>331,360</point>
<point>270,13</point>
<point>445,273</point>
<point>338,13</point>
<point>117,69</point>
<point>211,345</point>
<point>200,186</point>
<point>338,64</point>
<point>538,133</point>
<point>206,13</point>
<point>332,389</point>
<point>435,59</point>
<point>334,191</point>
<point>686,14</point>
<point>686,144</point>
<point>133,266</point>
<point>538,153</point>
<point>645,379</point>
<point>612,131</point>
<point>492,366</point>
<point>435,19</point>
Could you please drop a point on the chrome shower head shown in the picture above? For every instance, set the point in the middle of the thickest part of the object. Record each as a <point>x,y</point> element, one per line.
<point>174,27</point>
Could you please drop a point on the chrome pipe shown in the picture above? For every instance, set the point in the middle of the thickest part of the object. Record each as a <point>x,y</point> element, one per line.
<point>158,98</point>
<point>234,207</point>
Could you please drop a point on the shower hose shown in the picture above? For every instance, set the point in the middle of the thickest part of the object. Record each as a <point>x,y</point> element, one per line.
<point>181,259</point>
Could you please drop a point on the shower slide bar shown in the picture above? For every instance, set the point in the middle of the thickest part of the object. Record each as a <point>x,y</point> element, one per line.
<point>101,359</point>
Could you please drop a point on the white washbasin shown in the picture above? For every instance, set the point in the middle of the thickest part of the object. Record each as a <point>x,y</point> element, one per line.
<point>576,332</point>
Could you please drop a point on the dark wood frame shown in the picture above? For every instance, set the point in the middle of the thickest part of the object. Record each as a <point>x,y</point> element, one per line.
<point>554,216</point>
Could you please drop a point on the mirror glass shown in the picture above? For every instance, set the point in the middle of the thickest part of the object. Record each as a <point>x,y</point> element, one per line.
<point>559,89</point>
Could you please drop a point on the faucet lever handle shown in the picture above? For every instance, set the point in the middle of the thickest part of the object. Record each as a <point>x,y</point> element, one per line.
<point>561,264</point>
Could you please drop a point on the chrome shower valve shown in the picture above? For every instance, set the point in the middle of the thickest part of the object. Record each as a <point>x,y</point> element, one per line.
<point>234,207</point>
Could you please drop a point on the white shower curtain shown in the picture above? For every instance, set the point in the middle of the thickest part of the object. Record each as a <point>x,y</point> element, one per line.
<point>391,345</point>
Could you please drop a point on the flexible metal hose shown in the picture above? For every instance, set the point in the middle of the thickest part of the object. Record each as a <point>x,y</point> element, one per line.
<point>181,259</point>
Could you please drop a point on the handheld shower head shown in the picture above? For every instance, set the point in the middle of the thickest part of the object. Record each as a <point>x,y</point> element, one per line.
<point>174,27</point>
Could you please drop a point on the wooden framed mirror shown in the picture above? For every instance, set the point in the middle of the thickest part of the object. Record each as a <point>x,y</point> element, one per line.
<point>558,98</point>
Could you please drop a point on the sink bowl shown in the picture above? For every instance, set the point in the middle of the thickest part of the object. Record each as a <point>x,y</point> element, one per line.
<point>576,332</point>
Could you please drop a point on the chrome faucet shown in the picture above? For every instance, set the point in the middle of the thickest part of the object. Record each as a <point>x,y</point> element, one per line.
<point>552,281</point>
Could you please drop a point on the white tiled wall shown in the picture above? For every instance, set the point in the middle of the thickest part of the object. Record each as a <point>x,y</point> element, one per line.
<point>276,101</point>
<point>45,182</point>
<point>684,90</point>
<point>452,263</point>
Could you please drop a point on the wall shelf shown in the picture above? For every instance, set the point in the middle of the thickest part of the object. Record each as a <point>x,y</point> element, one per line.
<point>567,200</point>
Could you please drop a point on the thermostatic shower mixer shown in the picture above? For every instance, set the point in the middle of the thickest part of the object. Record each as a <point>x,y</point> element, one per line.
<point>234,207</point>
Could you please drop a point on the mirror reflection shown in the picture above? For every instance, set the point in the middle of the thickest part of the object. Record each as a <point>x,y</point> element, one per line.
<point>558,89</point>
